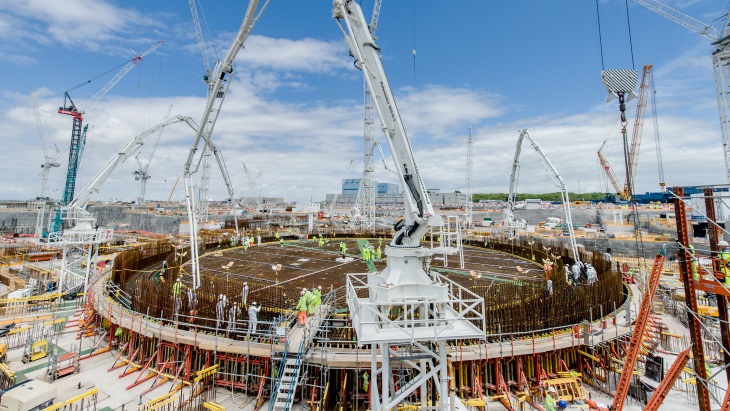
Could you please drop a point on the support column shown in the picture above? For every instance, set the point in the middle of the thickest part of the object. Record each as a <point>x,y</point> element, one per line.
<point>685,271</point>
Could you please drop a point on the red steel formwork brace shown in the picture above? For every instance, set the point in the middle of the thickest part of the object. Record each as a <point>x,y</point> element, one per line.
<point>712,232</point>
<point>661,392</point>
<point>685,272</point>
<point>637,336</point>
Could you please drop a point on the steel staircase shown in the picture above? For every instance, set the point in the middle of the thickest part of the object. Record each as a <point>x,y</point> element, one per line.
<point>286,385</point>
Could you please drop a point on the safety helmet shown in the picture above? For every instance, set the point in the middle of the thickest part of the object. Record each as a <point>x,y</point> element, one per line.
<point>245,283</point>
<point>304,289</point>
<point>178,278</point>
<point>254,303</point>
<point>551,389</point>
<point>562,404</point>
<point>220,296</point>
<point>302,293</point>
<point>722,243</point>
<point>319,287</point>
<point>591,403</point>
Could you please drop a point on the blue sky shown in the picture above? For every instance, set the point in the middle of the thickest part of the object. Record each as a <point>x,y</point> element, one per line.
<point>295,108</point>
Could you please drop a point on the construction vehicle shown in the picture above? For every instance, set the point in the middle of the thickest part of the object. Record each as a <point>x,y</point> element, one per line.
<point>509,220</point>
<point>78,137</point>
<point>407,278</point>
<point>29,395</point>
<point>218,85</point>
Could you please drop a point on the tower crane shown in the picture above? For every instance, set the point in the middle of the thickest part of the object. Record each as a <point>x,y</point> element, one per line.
<point>364,206</point>
<point>77,141</point>
<point>141,174</point>
<point>720,40</point>
<point>554,175</point>
<point>645,90</point>
<point>407,312</point>
<point>253,186</point>
<point>50,160</point>
<point>218,89</point>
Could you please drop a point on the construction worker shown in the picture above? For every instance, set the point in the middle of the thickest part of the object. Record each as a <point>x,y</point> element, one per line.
<point>591,274</point>
<point>343,249</point>
<point>233,313</point>
<point>724,255</point>
<point>562,405</point>
<point>177,288</point>
<point>220,309</point>
<point>592,406</point>
<point>365,381</point>
<point>321,242</point>
<point>258,239</point>
<point>244,293</point>
<point>378,253</point>
<point>318,297</point>
<point>550,402</point>
<point>277,236</point>
<point>380,241</point>
<point>253,312</point>
<point>550,286</point>
<point>250,241</point>
<point>302,308</point>
<point>281,242</point>
<point>311,302</point>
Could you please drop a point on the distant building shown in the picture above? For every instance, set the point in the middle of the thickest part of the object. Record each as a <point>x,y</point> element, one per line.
<point>352,185</point>
<point>388,188</point>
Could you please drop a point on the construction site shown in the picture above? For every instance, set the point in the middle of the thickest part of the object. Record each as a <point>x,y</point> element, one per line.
<point>419,305</point>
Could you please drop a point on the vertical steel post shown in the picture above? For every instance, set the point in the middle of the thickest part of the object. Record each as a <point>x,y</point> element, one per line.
<point>685,271</point>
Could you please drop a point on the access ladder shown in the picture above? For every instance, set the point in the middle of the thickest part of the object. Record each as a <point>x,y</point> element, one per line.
<point>286,385</point>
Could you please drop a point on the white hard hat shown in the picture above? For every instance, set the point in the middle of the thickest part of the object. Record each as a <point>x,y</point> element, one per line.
<point>551,389</point>
<point>304,289</point>
<point>220,296</point>
<point>302,293</point>
<point>319,287</point>
<point>245,283</point>
<point>178,278</point>
<point>722,243</point>
<point>254,303</point>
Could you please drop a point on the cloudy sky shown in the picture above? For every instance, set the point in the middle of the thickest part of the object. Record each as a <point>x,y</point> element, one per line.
<point>294,112</point>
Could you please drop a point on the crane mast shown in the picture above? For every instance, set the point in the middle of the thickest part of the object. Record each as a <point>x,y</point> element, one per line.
<point>49,161</point>
<point>720,40</point>
<point>142,174</point>
<point>222,75</point>
<point>383,306</point>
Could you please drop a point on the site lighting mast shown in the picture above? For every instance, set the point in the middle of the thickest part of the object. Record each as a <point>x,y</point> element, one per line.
<point>720,40</point>
<point>469,173</point>
<point>218,89</point>
<point>407,312</point>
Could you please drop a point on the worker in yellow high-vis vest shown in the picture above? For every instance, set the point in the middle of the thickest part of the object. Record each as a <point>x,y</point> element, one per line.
<point>724,256</point>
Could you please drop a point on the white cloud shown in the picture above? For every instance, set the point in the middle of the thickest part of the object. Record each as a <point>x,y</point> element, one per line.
<point>303,55</point>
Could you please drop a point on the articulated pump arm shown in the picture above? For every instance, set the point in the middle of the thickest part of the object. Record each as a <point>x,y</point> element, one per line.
<point>557,180</point>
<point>419,213</point>
<point>132,147</point>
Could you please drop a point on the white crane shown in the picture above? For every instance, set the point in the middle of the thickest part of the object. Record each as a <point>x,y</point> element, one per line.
<point>253,186</point>
<point>221,80</point>
<point>80,242</point>
<point>50,160</point>
<point>554,175</point>
<point>383,306</point>
<point>142,174</point>
<point>720,40</point>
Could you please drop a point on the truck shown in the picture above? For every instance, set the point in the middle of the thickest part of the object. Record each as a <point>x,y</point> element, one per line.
<point>29,395</point>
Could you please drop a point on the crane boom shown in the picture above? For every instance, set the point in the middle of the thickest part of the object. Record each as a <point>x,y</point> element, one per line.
<point>720,64</point>
<point>201,41</point>
<point>554,175</point>
<point>222,73</point>
<point>123,72</point>
<point>644,95</point>
<point>611,176</point>
<point>49,161</point>
<point>688,22</point>
<point>127,151</point>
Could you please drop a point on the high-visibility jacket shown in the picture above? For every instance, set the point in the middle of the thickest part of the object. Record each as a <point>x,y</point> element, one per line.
<point>302,304</point>
<point>549,402</point>
<point>725,262</point>
<point>693,263</point>
<point>177,288</point>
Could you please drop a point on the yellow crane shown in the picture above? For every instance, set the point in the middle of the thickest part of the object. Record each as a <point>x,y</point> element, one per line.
<point>625,192</point>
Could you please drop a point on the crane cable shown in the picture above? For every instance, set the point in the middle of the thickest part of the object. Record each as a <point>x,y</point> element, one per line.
<point>600,37</point>
<point>631,42</point>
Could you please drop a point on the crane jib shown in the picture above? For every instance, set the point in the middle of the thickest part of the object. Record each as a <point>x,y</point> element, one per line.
<point>390,106</point>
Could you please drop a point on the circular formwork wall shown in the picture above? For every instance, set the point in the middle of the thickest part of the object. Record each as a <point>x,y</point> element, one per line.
<point>509,276</point>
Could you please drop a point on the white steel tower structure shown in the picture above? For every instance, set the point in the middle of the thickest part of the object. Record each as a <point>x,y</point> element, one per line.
<point>407,312</point>
<point>365,202</point>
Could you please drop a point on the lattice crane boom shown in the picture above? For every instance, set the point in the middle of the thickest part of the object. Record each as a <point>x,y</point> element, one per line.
<point>720,39</point>
<point>201,42</point>
<point>142,173</point>
<point>644,95</point>
<point>49,160</point>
